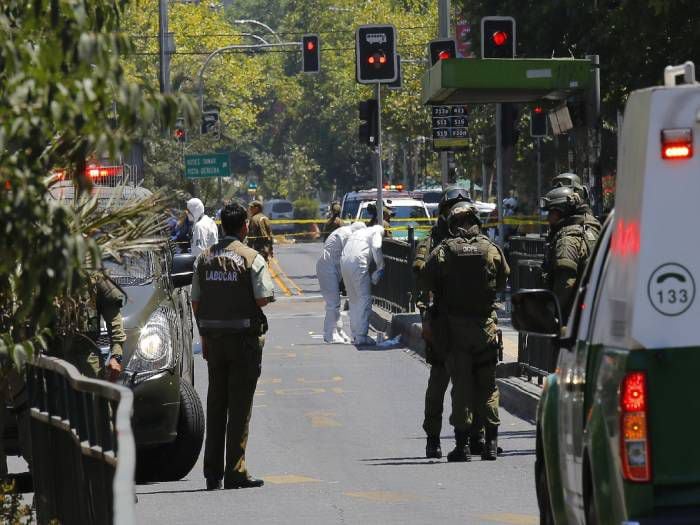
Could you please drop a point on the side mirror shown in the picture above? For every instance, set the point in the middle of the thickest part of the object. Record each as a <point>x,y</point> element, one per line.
<point>536,312</point>
<point>183,267</point>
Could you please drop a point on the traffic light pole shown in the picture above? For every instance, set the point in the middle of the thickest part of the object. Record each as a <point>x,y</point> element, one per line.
<point>444,28</point>
<point>380,178</point>
<point>539,170</point>
<point>499,172</point>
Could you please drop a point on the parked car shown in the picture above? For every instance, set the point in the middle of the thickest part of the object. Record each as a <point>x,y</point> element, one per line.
<point>407,212</point>
<point>431,197</point>
<point>279,209</point>
<point>616,423</point>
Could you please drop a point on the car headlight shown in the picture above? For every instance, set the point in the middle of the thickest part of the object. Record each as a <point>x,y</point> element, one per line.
<point>154,349</point>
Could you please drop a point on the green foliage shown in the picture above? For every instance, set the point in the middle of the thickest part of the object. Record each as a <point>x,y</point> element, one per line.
<point>12,509</point>
<point>306,209</point>
<point>60,84</point>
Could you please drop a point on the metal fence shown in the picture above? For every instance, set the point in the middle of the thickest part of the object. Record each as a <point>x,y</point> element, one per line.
<point>536,355</point>
<point>83,452</point>
<point>396,291</point>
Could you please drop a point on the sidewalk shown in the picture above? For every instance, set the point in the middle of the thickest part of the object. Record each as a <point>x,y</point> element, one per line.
<point>518,396</point>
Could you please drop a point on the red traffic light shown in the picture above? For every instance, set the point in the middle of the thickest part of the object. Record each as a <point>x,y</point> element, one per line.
<point>377,59</point>
<point>444,55</point>
<point>499,38</point>
<point>310,45</point>
<point>538,110</point>
<point>179,133</point>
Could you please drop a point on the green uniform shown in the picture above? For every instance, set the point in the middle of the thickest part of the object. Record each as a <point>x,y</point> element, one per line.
<point>260,235</point>
<point>331,225</point>
<point>439,378</point>
<point>569,245</point>
<point>466,272</point>
<point>103,298</point>
<point>227,280</point>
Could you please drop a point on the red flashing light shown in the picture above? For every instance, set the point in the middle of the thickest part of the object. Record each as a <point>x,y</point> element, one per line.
<point>676,143</point>
<point>444,55</point>
<point>626,238</point>
<point>371,60</point>
<point>499,38</point>
<point>103,171</point>
<point>382,59</point>
<point>538,110</point>
<point>633,395</point>
<point>310,45</point>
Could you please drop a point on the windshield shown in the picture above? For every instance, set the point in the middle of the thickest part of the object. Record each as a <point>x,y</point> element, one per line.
<point>432,197</point>
<point>401,212</point>
<point>282,207</point>
<point>134,270</point>
<point>350,209</point>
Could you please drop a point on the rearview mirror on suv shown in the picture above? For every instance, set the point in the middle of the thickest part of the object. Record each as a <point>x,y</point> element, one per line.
<point>536,312</point>
<point>183,267</point>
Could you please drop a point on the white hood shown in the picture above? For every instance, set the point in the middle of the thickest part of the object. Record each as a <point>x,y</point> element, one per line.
<point>196,208</point>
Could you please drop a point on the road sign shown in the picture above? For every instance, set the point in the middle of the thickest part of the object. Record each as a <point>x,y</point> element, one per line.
<point>209,165</point>
<point>450,129</point>
<point>375,54</point>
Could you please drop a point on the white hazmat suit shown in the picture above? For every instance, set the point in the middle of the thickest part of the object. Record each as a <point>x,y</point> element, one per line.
<point>328,274</point>
<point>204,231</point>
<point>362,247</point>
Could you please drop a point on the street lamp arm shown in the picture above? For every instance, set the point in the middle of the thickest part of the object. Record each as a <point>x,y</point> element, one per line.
<point>256,37</point>
<point>258,23</point>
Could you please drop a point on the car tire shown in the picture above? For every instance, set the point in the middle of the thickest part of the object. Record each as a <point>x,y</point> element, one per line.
<point>173,461</point>
<point>542,486</point>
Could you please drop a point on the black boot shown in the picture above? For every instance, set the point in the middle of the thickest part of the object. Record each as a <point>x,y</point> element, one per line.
<point>432,447</point>
<point>490,452</point>
<point>476,443</point>
<point>461,451</point>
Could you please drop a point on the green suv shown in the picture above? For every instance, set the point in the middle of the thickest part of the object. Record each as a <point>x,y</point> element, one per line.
<point>616,440</point>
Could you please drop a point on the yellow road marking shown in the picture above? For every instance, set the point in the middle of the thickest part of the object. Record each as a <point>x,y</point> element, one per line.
<point>380,496</point>
<point>270,381</point>
<point>259,406</point>
<point>323,419</point>
<point>260,393</point>
<point>286,479</point>
<point>299,391</point>
<point>279,282</point>
<point>338,390</point>
<point>279,354</point>
<point>291,281</point>
<point>511,519</point>
<point>335,379</point>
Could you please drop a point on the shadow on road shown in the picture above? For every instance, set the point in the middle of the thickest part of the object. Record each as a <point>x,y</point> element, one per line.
<point>183,491</point>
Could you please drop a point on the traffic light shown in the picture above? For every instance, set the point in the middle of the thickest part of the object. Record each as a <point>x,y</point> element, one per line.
<point>538,122</point>
<point>498,37</point>
<point>210,122</point>
<point>375,54</point>
<point>442,49</point>
<point>310,54</point>
<point>369,122</point>
<point>180,131</point>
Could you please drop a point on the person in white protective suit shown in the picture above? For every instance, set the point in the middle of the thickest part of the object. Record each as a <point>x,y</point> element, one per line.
<point>362,247</point>
<point>328,274</point>
<point>204,231</point>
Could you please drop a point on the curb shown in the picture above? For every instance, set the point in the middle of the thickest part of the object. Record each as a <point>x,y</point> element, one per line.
<point>518,396</point>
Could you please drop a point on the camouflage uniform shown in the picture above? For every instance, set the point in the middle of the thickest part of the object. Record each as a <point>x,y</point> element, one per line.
<point>260,235</point>
<point>466,272</point>
<point>103,298</point>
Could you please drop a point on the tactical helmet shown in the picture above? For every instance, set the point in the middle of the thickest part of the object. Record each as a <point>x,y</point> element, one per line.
<point>564,198</point>
<point>461,210</point>
<point>451,195</point>
<point>572,180</point>
<point>386,209</point>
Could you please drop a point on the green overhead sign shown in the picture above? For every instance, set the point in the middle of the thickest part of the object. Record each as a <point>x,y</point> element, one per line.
<point>205,166</point>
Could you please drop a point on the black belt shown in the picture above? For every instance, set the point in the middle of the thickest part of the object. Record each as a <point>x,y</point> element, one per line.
<point>229,325</point>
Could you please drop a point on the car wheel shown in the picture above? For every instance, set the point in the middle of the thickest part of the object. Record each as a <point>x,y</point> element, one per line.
<point>173,461</point>
<point>542,487</point>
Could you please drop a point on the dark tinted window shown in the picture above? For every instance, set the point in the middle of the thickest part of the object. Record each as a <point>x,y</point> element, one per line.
<point>282,207</point>
<point>432,197</point>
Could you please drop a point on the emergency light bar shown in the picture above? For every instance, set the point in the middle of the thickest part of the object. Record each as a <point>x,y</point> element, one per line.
<point>103,171</point>
<point>676,143</point>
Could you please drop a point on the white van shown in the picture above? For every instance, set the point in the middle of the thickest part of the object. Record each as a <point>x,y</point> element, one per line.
<point>279,209</point>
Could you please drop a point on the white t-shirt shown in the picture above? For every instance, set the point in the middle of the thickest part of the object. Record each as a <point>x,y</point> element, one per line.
<point>204,234</point>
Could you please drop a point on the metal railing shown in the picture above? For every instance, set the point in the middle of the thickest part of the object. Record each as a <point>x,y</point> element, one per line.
<point>83,452</point>
<point>396,291</point>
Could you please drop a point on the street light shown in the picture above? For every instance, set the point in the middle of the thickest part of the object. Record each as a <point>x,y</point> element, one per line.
<point>258,23</point>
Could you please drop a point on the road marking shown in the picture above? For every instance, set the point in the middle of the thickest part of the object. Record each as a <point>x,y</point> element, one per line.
<point>380,496</point>
<point>338,390</point>
<point>287,479</point>
<point>279,282</point>
<point>335,379</point>
<point>299,391</point>
<point>270,381</point>
<point>511,519</point>
<point>323,419</point>
<point>289,279</point>
<point>260,393</point>
<point>279,354</point>
<point>259,406</point>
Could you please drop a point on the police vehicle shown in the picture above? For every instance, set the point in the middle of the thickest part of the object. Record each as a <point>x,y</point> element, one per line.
<point>617,428</point>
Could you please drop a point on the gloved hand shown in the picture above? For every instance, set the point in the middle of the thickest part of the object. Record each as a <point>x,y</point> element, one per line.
<point>377,275</point>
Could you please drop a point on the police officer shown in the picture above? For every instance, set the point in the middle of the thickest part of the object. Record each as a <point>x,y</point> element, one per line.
<point>260,232</point>
<point>573,180</point>
<point>79,328</point>
<point>230,285</point>
<point>465,272</point>
<point>387,213</point>
<point>439,378</point>
<point>569,244</point>
<point>334,221</point>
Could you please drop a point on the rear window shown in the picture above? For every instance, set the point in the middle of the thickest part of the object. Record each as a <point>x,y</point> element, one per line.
<point>350,209</point>
<point>133,271</point>
<point>282,207</point>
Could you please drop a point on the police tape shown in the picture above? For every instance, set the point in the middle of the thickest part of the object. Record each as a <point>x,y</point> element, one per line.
<point>514,219</point>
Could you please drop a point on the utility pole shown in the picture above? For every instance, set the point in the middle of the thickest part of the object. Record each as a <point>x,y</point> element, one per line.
<point>595,176</point>
<point>163,47</point>
<point>444,32</point>
<point>380,188</point>
<point>499,172</point>
<point>539,171</point>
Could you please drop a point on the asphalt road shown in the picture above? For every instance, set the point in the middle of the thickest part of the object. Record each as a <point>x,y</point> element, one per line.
<point>336,434</point>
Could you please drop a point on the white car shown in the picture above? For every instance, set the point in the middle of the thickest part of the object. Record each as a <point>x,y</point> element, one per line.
<point>279,209</point>
<point>404,209</point>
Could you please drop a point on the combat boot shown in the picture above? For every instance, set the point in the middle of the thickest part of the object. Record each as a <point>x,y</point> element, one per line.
<point>461,451</point>
<point>432,447</point>
<point>490,452</point>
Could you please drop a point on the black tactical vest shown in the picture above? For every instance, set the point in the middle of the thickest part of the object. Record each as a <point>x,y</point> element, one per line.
<point>227,304</point>
<point>470,286</point>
